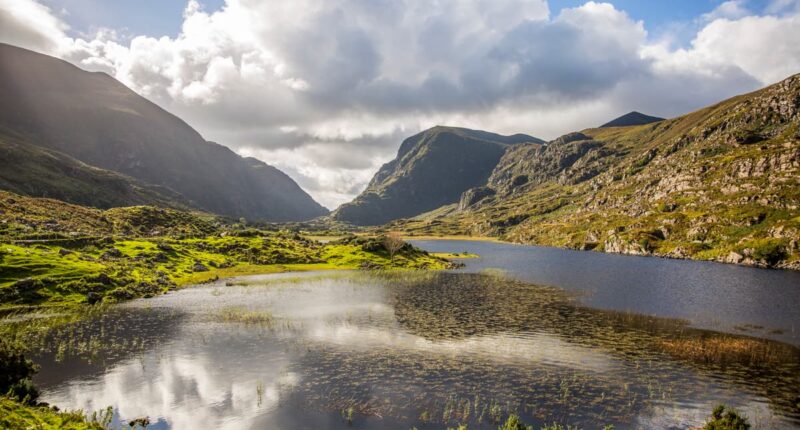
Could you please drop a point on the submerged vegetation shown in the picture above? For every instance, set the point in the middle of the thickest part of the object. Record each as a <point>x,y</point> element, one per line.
<point>724,418</point>
<point>548,359</point>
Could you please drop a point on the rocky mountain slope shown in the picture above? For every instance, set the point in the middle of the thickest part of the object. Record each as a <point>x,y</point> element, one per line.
<point>721,183</point>
<point>49,103</point>
<point>432,168</point>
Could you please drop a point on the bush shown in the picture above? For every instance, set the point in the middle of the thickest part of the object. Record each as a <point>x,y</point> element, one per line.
<point>769,250</point>
<point>723,418</point>
<point>15,373</point>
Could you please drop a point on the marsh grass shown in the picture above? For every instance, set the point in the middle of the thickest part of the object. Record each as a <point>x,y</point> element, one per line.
<point>450,389</point>
<point>244,316</point>
<point>724,350</point>
<point>14,415</point>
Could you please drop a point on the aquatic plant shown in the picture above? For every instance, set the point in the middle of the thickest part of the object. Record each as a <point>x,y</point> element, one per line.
<point>348,414</point>
<point>725,418</point>
<point>727,349</point>
<point>514,423</point>
<point>244,316</point>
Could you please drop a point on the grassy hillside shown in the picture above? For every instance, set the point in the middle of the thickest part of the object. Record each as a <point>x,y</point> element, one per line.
<point>721,183</point>
<point>30,170</point>
<point>53,252</point>
<point>91,117</point>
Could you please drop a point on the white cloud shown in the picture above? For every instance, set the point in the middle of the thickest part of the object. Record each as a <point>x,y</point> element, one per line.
<point>732,9</point>
<point>30,24</point>
<point>326,90</point>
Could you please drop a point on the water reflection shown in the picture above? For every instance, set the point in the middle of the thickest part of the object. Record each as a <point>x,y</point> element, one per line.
<point>405,349</point>
<point>716,296</point>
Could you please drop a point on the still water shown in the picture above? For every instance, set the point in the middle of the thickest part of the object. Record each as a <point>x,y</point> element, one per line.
<point>369,350</point>
<point>724,297</point>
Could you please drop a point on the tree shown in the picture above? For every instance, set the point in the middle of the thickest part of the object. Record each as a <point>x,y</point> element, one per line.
<point>393,242</point>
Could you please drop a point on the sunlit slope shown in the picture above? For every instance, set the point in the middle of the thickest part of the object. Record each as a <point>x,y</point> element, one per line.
<point>93,118</point>
<point>721,183</point>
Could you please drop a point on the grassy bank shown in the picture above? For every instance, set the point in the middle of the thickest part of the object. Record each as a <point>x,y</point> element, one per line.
<point>54,253</point>
<point>15,415</point>
<point>116,269</point>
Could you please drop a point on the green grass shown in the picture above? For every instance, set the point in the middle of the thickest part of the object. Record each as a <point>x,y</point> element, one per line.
<point>14,415</point>
<point>121,269</point>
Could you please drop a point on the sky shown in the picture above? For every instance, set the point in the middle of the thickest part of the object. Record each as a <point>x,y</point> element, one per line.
<point>326,90</point>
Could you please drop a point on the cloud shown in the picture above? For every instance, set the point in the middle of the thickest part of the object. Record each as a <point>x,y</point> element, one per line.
<point>326,90</point>
<point>30,24</point>
<point>732,9</point>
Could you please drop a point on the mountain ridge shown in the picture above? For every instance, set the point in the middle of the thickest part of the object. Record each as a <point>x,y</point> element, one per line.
<point>431,168</point>
<point>630,119</point>
<point>721,183</point>
<point>95,119</point>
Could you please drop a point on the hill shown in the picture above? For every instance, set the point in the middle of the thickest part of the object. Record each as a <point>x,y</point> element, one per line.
<point>432,168</point>
<point>91,117</point>
<point>632,118</point>
<point>35,171</point>
<point>721,183</point>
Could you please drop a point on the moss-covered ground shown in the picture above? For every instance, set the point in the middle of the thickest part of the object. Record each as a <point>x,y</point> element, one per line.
<point>116,269</point>
<point>54,253</point>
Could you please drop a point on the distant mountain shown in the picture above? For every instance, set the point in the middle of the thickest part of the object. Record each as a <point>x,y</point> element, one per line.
<point>632,118</point>
<point>431,169</point>
<point>34,171</point>
<point>721,183</point>
<point>91,117</point>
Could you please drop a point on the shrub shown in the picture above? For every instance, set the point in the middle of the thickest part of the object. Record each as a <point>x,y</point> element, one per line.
<point>769,250</point>
<point>723,418</point>
<point>15,373</point>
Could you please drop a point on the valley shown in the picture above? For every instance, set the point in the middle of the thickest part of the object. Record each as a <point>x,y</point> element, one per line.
<point>640,273</point>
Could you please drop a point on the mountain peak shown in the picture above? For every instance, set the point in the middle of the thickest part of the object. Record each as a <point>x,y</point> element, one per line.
<point>79,120</point>
<point>432,168</point>
<point>630,119</point>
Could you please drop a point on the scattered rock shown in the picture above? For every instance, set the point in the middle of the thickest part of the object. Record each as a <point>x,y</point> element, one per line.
<point>369,265</point>
<point>93,298</point>
<point>474,195</point>
<point>103,279</point>
<point>112,253</point>
<point>199,267</point>
<point>734,257</point>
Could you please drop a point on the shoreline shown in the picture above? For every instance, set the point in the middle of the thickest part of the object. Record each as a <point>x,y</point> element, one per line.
<point>784,267</point>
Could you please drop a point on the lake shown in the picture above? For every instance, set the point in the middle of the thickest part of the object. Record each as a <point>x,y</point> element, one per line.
<point>576,338</point>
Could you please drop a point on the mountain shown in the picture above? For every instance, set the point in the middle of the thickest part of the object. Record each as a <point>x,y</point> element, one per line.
<point>48,103</point>
<point>721,183</point>
<point>632,118</point>
<point>432,168</point>
<point>34,171</point>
